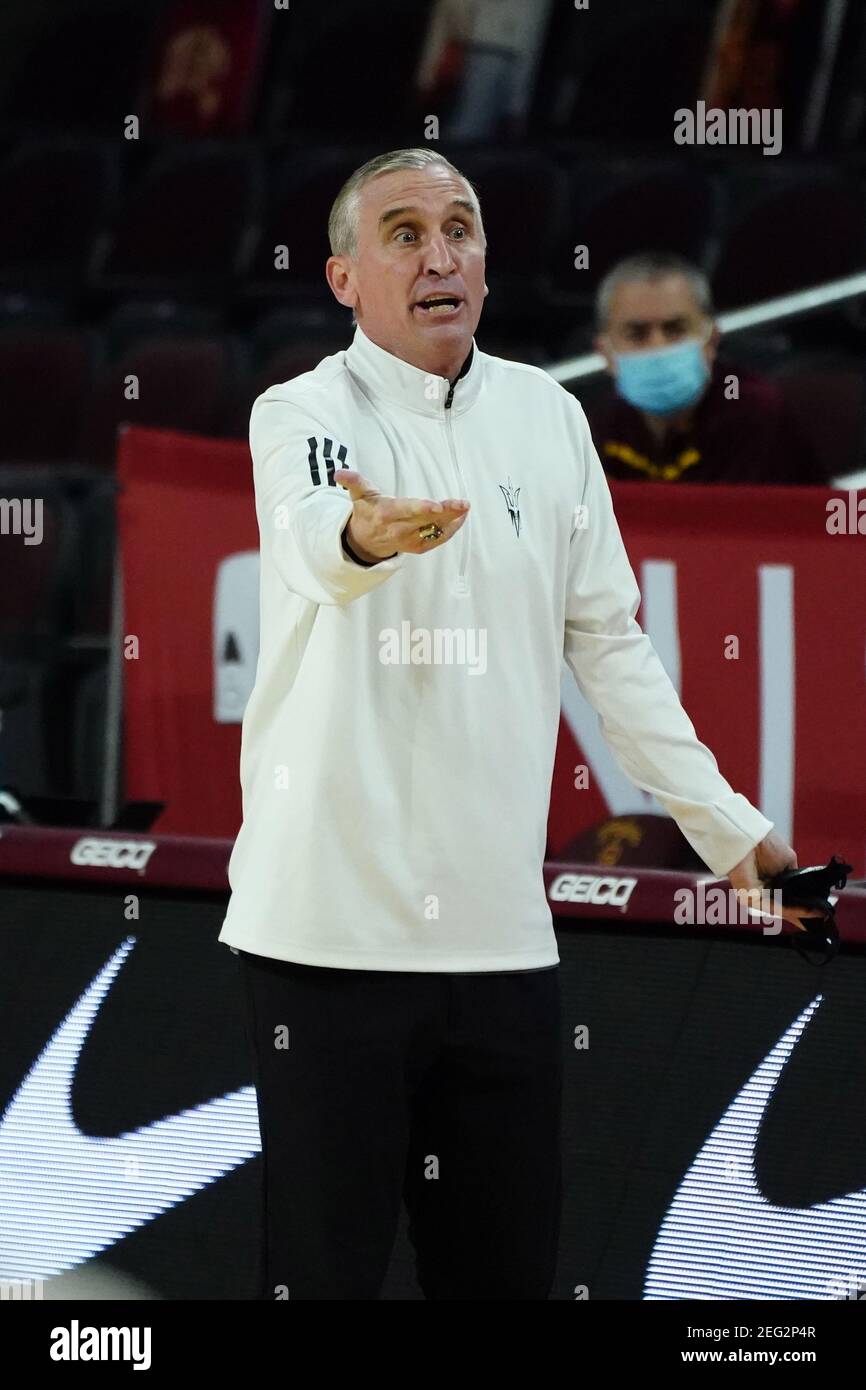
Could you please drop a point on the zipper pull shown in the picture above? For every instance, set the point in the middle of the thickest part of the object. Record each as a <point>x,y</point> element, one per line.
<point>449,398</point>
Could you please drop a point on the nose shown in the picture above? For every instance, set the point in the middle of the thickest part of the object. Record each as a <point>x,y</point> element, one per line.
<point>657,338</point>
<point>439,258</point>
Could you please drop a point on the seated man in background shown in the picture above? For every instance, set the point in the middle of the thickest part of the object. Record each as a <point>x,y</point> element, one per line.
<point>678,414</point>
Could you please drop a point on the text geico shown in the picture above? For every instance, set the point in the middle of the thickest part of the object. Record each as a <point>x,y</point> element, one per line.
<point>586,888</point>
<point>113,854</point>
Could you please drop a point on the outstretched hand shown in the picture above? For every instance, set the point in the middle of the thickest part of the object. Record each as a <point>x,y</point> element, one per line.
<point>380,526</point>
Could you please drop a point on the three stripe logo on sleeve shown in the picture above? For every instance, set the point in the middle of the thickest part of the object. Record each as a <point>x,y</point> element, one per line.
<point>329,460</point>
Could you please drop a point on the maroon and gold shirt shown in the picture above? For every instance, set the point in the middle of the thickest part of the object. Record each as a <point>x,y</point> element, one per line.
<point>753,439</point>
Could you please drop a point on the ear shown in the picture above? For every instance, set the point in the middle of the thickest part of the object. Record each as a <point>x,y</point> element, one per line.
<point>338,273</point>
<point>711,346</point>
<point>486,289</point>
<point>601,345</point>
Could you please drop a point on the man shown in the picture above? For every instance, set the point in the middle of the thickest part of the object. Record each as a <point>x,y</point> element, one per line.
<point>679,414</point>
<point>421,503</point>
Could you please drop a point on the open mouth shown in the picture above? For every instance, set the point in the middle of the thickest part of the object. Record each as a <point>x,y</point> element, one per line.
<point>438,305</point>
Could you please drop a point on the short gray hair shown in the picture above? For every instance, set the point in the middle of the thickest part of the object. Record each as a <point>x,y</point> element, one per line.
<point>651,265</point>
<point>343,221</point>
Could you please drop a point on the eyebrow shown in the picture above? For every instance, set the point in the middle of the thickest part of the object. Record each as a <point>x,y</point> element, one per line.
<point>665,323</point>
<point>398,212</point>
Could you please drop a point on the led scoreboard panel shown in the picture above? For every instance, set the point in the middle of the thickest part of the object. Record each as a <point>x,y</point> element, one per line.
<point>714,1103</point>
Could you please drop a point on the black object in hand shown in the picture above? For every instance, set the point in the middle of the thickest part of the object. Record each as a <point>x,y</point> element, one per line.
<point>810,888</point>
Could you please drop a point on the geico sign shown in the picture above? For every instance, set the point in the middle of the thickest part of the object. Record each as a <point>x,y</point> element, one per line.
<point>586,888</point>
<point>113,854</point>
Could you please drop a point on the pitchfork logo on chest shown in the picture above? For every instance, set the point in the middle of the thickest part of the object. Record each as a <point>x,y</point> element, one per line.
<point>511,494</point>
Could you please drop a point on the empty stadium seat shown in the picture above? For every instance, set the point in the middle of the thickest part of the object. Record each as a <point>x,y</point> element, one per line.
<point>47,374</point>
<point>79,67</point>
<point>184,228</point>
<point>623,76</point>
<point>789,232</point>
<point>301,189</point>
<point>134,320</point>
<point>327,64</point>
<point>57,195</point>
<point>827,395</point>
<point>616,209</point>
<point>182,383</point>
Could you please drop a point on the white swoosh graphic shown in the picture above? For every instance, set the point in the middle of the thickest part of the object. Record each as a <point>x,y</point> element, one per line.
<point>65,1195</point>
<point>722,1239</point>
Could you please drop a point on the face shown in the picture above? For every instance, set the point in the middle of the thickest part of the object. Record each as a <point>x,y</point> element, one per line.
<point>651,314</point>
<point>419,236</point>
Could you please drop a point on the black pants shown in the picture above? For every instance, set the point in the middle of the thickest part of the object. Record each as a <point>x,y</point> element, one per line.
<point>443,1090</point>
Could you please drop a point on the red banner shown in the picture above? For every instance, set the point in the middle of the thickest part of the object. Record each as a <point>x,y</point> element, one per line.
<point>206,66</point>
<point>754,598</point>
<point>186,506</point>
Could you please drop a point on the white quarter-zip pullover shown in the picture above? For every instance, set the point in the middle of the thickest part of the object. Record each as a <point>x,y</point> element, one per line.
<point>397,749</point>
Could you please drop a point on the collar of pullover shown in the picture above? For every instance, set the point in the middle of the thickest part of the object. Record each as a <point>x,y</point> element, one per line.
<point>385,377</point>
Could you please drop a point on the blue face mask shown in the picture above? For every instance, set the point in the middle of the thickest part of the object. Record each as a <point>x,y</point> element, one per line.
<point>664,379</point>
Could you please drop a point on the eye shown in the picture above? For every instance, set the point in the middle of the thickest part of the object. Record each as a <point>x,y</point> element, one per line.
<point>459,228</point>
<point>405,231</point>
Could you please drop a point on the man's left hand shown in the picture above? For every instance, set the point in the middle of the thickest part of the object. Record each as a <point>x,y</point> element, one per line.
<point>749,877</point>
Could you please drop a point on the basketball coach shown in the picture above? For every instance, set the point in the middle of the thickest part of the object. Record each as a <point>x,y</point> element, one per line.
<point>436,534</point>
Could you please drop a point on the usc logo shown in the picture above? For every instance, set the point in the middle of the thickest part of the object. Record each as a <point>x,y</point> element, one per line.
<point>196,61</point>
